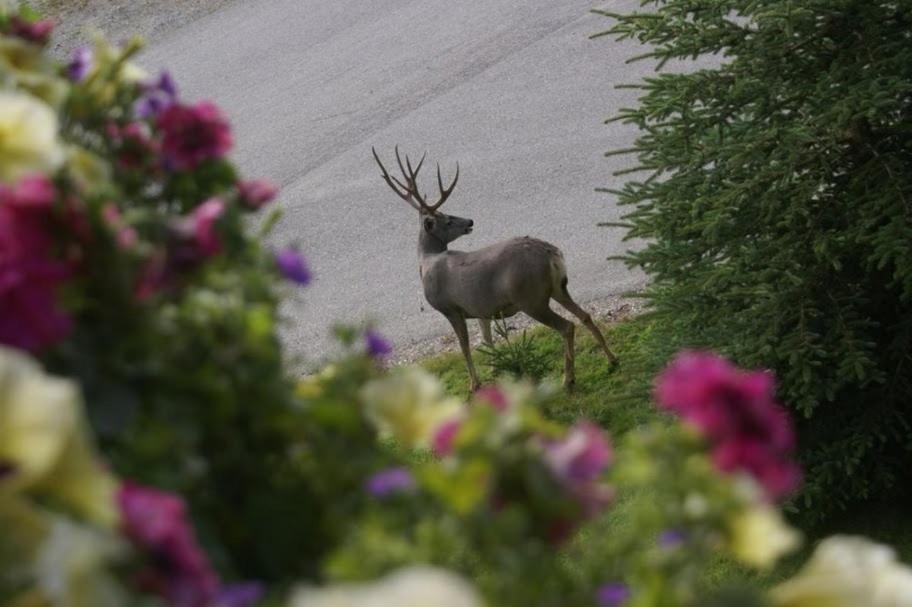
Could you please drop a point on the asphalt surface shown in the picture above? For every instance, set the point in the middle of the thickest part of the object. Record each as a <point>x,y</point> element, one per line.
<point>514,90</point>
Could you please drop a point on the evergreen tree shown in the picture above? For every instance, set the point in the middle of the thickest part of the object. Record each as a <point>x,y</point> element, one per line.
<point>777,211</point>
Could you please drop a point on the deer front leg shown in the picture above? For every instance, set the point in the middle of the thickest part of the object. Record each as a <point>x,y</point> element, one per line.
<point>462,332</point>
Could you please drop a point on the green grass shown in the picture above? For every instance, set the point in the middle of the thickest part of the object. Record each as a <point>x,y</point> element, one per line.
<point>619,400</point>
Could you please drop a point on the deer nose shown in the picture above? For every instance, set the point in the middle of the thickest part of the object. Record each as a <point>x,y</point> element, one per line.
<point>471,223</point>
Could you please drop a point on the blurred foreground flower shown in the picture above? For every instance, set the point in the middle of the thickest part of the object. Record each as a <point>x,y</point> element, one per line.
<point>848,571</point>
<point>193,134</point>
<point>44,443</point>
<point>418,586</point>
<point>408,405</point>
<point>759,536</point>
<point>157,523</point>
<point>737,413</point>
<point>28,136</point>
<point>292,266</point>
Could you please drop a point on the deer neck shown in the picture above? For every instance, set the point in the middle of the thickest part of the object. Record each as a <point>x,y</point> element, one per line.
<point>429,245</point>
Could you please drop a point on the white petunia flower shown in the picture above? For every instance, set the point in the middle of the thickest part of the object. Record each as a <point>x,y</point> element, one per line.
<point>847,571</point>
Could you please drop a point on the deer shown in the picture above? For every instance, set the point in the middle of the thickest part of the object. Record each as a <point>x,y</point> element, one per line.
<point>516,275</point>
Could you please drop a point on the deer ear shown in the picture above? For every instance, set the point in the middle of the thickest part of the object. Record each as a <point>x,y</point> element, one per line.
<point>428,224</point>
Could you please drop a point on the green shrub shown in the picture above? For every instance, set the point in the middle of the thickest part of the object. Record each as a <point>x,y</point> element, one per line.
<point>517,358</point>
<point>777,208</point>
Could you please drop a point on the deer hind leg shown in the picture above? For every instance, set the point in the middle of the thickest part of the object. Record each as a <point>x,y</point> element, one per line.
<point>462,333</point>
<point>563,298</point>
<point>546,316</point>
<point>485,324</point>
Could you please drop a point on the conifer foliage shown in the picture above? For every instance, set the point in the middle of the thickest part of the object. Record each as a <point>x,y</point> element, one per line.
<point>774,192</point>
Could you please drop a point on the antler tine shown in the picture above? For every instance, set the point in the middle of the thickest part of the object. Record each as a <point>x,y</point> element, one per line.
<point>389,179</point>
<point>409,177</point>
<point>445,192</point>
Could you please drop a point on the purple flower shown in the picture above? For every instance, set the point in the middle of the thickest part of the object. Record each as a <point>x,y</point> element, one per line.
<point>612,595</point>
<point>390,481</point>
<point>80,63</point>
<point>672,538</point>
<point>292,266</point>
<point>377,345</point>
<point>239,595</point>
<point>157,96</point>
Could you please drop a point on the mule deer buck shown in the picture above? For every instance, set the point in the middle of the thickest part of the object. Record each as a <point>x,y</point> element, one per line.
<point>516,275</point>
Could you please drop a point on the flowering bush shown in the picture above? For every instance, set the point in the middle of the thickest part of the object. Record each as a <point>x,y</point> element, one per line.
<point>153,445</point>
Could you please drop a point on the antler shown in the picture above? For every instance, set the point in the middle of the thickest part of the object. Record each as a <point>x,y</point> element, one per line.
<point>408,191</point>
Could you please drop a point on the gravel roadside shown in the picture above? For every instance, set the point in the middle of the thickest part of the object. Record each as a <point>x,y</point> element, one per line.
<point>121,19</point>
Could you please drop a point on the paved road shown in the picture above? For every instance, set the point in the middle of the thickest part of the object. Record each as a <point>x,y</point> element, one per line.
<point>512,89</point>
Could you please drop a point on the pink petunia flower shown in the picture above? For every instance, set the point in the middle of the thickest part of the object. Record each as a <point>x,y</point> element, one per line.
<point>126,234</point>
<point>736,410</point>
<point>256,194</point>
<point>193,134</point>
<point>38,32</point>
<point>442,441</point>
<point>201,227</point>
<point>493,396</point>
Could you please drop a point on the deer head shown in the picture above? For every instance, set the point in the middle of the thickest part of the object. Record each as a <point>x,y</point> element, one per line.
<point>443,227</point>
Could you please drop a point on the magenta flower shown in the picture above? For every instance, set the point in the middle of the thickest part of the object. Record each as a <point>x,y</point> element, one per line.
<point>442,441</point>
<point>612,595</point>
<point>377,345</point>
<point>388,482</point>
<point>80,64</point>
<point>30,317</point>
<point>736,411</point>
<point>193,134</point>
<point>291,264</point>
<point>38,32</point>
<point>257,193</point>
<point>157,524</point>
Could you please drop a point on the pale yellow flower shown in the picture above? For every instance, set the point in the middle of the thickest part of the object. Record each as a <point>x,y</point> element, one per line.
<point>418,586</point>
<point>408,405</point>
<point>848,571</point>
<point>759,536</point>
<point>28,136</point>
<point>43,437</point>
